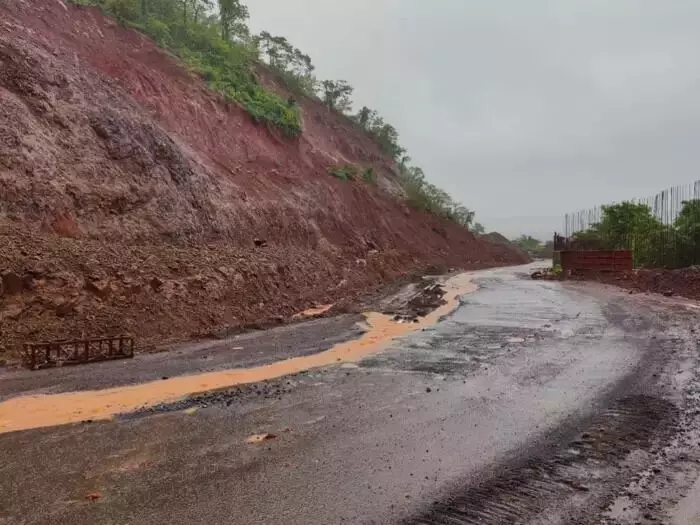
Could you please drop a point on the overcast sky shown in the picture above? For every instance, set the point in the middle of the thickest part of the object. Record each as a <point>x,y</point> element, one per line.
<point>522,109</point>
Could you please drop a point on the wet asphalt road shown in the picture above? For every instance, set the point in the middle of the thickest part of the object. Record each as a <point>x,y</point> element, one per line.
<point>520,405</point>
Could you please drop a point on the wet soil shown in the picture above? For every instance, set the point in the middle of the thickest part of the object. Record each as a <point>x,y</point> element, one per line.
<point>40,410</point>
<point>532,402</point>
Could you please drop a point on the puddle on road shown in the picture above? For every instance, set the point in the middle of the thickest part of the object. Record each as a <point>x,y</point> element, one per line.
<point>26,412</point>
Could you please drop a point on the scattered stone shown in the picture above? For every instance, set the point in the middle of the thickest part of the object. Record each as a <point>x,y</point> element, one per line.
<point>259,438</point>
<point>428,389</point>
<point>405,318</point>
<point>157,284</point>
<point>12,313</point>
<point>64,308</point>
<point>577,486</point>
<point>94,496</point>
<point>36,271</point>
<point>260,243</point>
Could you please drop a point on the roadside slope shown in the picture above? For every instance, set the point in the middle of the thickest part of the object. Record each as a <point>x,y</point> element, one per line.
<point>132,195</point>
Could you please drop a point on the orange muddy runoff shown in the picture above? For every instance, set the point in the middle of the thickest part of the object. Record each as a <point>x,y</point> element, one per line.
<point>25,412</point>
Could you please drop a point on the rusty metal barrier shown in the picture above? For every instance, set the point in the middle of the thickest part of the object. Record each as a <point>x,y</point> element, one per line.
<point>597,260</point>
<point>75,352</point>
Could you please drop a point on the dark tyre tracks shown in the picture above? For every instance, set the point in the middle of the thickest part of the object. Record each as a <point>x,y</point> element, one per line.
<point>521,492</point>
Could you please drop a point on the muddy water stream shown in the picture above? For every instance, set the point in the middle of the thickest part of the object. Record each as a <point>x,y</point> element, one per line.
<point>36,411</point>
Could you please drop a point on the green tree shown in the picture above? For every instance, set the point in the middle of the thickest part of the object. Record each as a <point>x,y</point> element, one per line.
<point>233,15</point>
<point>687,229</point>
<point>124,10</point>
<point>477,228</point>
<point>528,244</point>
<point>388,139</point>
<point>364,117</point>
<point>289,62</point>
<point>337,94</point>
<point>623,224</point>
<point>631,226</point>
<point>462,215</point>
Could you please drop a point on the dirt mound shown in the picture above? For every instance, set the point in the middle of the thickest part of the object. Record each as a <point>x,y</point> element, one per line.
<point>497,238</point>
<point>132,197</point>
<point>684,282</point>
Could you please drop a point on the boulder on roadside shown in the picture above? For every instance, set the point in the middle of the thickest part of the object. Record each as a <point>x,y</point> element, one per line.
<point>157,283</point>
<point>98,287</point>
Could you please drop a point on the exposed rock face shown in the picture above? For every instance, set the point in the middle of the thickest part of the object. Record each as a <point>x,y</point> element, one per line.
<point>132,199</point>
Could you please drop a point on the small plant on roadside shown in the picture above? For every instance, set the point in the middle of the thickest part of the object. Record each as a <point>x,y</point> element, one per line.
<point>557,270</point>
<point>343,171</point>
<point>368,176</point>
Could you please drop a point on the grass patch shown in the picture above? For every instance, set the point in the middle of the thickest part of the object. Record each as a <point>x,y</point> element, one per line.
<point>343,171</point>
<point>225,64</point>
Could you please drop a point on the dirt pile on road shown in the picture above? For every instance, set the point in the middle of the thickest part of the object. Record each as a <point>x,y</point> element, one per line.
<point>131,197</point>
<point>497,238</point>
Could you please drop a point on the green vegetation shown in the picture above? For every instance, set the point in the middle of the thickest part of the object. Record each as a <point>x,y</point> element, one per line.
<point>213,41</point>
<point>687,228</point>
<point>632,226</point>
<point>343,171</point>
<point>337,95</point>
<point>368,176</point>
<point>528,244</point>
<point>212,37</point>
<point>425,196</point>
<point>534,247</point>
<point>477,228</point>
<point>288,62</point>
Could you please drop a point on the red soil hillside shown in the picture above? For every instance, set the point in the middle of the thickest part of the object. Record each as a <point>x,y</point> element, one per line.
<point>131,196</point>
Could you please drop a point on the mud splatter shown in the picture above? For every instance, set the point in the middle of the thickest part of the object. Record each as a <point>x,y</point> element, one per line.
<point>26,412</point>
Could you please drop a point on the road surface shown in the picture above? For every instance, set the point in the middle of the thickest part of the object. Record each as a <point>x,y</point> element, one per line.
<point>532,402</point>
